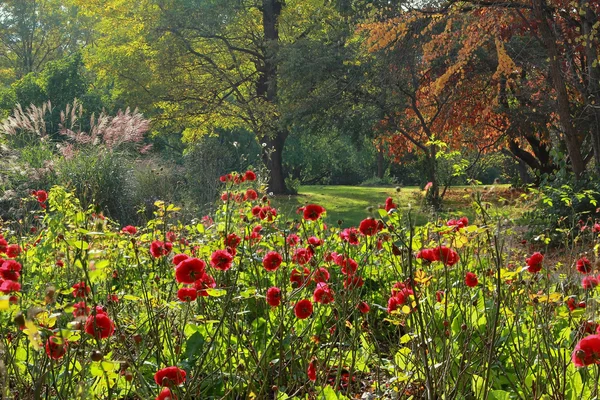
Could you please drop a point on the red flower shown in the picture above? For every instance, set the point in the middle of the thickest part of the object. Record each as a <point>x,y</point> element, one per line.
<point>251,195</point>
<point>353,282</point>
<point>321,275</point>
<point>471,279</point>
<point>206,282</point>
<point>80,309</point>
<point>9,270</point>
<point>169,376</point>
<point>311,371</point>
<point>439,296</point>
<point>427,254</point>
<point>350,235</point>
<point>534,263</point>
<point>189,270</point>
<point>446,255</point>
<point>221,259</point>
<point>56,347</point>
<point>7,287</point>
<point>458,223</point>
<point>166,394</point>
<point>312,212</point>
<point>389,204</point>
<point>349,266</point>
<point>272,261</point>
<point>187,294</point>
<point>3,244</point>
<point>584,265</point>
<point>293,240</point>
<point>303,309</point>
<point>179,258</point>
<point>132,230</point>
<point>399,298</point>
<point>297,278</point>
<point>363,307</point>
<point>250,175</point>
<point>100,325</point>
<point>315,241</point>
<point>323,294</point>
<point>159,248</point>
<point>587,351</point>
<point>267,213</point>
<point>232,240</point>
<point>596,228</point>
<point>302,256</point>
<point>369,227</point>
<point>274,296</point>
<point>589,282</point>
<point>41,195</point>
<point>81,290</point>
<point>13,251</point>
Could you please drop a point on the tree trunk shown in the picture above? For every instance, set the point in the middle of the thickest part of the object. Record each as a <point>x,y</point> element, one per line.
<point>571,138</point>
<point>380,164</point>
<point>433,193</point>
<point>593,78</point>
<point>267,89</point>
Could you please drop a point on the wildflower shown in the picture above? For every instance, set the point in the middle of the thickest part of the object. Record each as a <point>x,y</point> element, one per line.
<point>439,296</point>
<point>81,290</point>
<point>363,307</point>
<point>389,204</point>
<point>56,347</point>
<point>311,371</point>
<point>80,309</point>
<point>353,282</point>
<point>187,294</point>
<point>323,294</point>
<point>587,351</point>
<point>41,195</point>
<point>471,279</point>
<point>446,255</point>
<point>458,223</point>
<point>99,325</point>
<point>298,278</point>
<point>315,241</point>
<point>251,195</point>
<point>303,309</point>
<point>8,287</point>
<point>159,248</point>
<point>132,230</point>
<point>205,282</point>
<point>584,265</point>
<point>189,270</point>
<point>9,270</point>
<point>534,263</point>
<point>166,394</point>
<point>179,258</point>
<point>274,296</point>
<point>321,275</point>
<point>350,235</point>
<point>272,261</point>
<point>293,240</point>
<point>369,227</point>
<point>589,282</point>
<point>13,251</point>
<point>221,260</point>
<point>302,256</point>
<point>250,175</point>
<point>170,376</point>
<point>427,254</point>
<point>312,212</point>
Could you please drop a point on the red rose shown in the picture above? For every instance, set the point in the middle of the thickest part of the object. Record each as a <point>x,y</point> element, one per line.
<point>56,347</point>
<point>169,376</point>
<point>189,270</point>
<point>274,296</point>
<point>312,212</point>
<point>471,279</point>
<point>363,307</point>
<point>81,290</point>
<point>187,294</point>
<point>323,294</point>
<point>221,259</point>
<point>272,261</point>
<point>389,204</point>
<point>100,326</point>
<point>303,309</point>
<point>584,265</point>
<point>587,351</point>
<point>132,230</point>
<point>369,227</point>
<point>534,263</point>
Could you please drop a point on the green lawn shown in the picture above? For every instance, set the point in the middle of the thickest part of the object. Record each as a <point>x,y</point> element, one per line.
<point>350,203</point>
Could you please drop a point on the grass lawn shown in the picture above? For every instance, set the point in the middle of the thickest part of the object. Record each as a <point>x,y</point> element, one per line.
<point>350,203</point>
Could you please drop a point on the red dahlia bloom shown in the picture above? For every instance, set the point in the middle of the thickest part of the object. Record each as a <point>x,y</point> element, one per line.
<point>471,279</point>
<point>427,254</point>
<point>179,258</point>
<point>189,270</point>
<point>41,195</point>
<point>272,261</point>
<point>446,255</point>
<point>80,309</point>
<point>3,244</point>
<point>363,307</point>
<point>166,394</point>
<point>321,275</point>
<point>170,376</point>
<point>298,278</point>
<point>293,240</point>
<point>10,269</point>
<point>250,175</point>
<point>132,230</point>
<point>232,240</point>
<point>159,248</point>
<point>534,263</point>
<point>81,290</point>
<point>587,351</point>
<point>8,287</point>
<point>274,296</point>
<point>303,309</point>
<point>251,195</point>
<point>369,227</point>
<point>187,294</point>
<point>206,282</point>
<point>56,347</point>
<point>315,241</point>
<point>312,212</point>
<point>100,326</point>
<point>221,260</point>
<point>311,371</point>
<point>584,265</point>
<point>302,256</point>
<point>323,294</point>
<point>13,250</point>
<point>389,204</point>
<point>350,235</point>
<point>589,282</point>
<point>353,282</point>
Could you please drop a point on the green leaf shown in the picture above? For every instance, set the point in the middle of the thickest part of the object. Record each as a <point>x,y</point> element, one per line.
<point>499,395</point>
<point>216,292</point>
